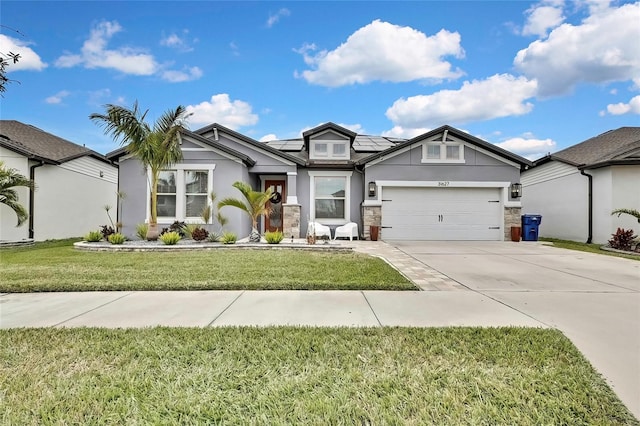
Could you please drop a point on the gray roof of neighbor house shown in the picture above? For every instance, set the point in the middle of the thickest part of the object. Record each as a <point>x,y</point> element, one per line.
<point>619,146</point>
<point>37,144</point>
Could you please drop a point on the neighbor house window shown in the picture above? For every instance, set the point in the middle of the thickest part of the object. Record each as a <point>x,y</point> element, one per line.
<point>196,191</point>
<point>167,193</point>
<point>329,150</point>
<point>438,152</point>
<point>330,196</point>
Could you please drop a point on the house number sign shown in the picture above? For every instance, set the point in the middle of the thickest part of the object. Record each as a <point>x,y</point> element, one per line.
<point>443,183</point>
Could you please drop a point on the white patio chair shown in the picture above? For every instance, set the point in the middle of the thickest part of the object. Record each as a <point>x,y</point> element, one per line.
<point>319,229</point>
<point>349,230</point>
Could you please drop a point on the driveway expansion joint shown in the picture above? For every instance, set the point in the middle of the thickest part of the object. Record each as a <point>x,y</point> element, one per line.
<point>94,309</point>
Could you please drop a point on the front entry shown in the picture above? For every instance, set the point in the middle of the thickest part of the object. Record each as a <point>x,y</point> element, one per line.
<point>273,222</point>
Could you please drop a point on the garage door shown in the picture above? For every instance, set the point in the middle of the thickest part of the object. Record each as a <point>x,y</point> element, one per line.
<point>445,214</point>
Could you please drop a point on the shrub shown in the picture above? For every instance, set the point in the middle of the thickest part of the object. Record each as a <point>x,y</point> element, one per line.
<point>189,228</point>
<point>93,236</point>
<point>107,230</point>
<point>214,237</point>
<point>622,239</point>
<point>274,237</point>
<point>228,238</point>
<point>116,238</point>
<point>199,234</point>
<point>141,230</point>
<point>170,238</point>
<point>178,227</point>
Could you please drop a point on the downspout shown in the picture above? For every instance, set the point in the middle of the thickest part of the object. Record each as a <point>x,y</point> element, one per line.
<point>590,177</point>
<point>32,197</point>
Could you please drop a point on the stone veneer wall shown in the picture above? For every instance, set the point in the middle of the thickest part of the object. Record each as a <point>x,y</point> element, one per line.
<point>511,218</point>
<point>371,215</point>
<point>291,220</point>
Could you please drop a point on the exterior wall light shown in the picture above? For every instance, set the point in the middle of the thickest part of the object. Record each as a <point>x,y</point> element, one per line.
<point>372,189</point>
<point>516,190</point>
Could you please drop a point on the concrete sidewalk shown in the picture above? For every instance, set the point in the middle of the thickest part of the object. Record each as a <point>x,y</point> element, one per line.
<point>257,308</point>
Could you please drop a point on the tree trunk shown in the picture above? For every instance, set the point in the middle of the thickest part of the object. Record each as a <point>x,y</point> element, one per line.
<point>152,232</point>
<point>254,236</point>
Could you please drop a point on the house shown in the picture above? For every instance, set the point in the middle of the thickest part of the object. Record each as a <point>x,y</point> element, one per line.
<point>73,184</point>
<point>576,189</point>
<point>442,185</point>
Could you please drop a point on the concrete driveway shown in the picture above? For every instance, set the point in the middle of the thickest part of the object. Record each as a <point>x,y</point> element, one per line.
<point>593,299</point>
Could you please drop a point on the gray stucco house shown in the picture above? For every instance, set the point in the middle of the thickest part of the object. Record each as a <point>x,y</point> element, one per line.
<point>442,185</point>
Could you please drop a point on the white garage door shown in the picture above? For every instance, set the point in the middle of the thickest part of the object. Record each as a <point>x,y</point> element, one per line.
<point>444,214</point>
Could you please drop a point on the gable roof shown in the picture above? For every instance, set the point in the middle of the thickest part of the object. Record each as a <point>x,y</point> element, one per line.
<point>37,144</point>
<point>328,126</point>
<point>215,127</point>
<point>459,134</point>
<point>619,146</point>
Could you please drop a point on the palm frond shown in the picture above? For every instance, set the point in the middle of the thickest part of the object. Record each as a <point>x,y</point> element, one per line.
<point>631,212</point>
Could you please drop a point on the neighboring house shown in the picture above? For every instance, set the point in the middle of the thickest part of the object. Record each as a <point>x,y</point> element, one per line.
<point>442,185</point>
<point>576,189</point>
<point>73,184</point>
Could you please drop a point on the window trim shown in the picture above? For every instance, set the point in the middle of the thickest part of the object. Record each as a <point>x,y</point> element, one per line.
<point>347,196</point>
<point>181,198</point>
<point>443,153</point>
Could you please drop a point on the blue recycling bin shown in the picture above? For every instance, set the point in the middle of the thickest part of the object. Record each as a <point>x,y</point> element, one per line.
<point>530,226</point>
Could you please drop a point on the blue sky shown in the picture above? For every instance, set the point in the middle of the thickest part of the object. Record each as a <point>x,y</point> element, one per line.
<point>533,77</point>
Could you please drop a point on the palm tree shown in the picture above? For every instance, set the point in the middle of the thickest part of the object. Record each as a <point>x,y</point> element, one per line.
<point>255,206</point>
<point>9,179</point>
<point>631,212</point>
<point>156,147</point>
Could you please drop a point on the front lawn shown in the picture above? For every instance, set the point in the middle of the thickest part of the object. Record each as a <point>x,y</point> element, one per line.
<point>57,266</point>
<point>589,248</point>
<point>290,375</point>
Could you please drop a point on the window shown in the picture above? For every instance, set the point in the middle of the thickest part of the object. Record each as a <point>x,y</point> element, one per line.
<point>183,192</point>
<point>438,152</point>
<point>167,193</point>
<point>195,191</point>
<point>329,150</point>
<point>330,193</point>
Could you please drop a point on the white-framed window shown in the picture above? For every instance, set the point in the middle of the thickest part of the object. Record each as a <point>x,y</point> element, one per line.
<point>196,191</point>
<point>329,150</point>
<point>438,152</point>
<point>330,197</point>
<point>167,195</point>
<point>183,192</point>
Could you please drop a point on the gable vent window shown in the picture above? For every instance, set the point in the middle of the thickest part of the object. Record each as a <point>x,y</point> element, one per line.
<point>438,152</point>
<point>329,150</point>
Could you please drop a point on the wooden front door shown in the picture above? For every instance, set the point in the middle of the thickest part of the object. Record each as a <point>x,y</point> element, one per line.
<point>273,222</point>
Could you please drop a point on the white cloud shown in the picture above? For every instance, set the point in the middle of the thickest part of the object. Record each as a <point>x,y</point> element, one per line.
<point>58,97</point>
<point>269,137</point>
<point>501,95</point>
<point>543,17</point>
<point>29,59</point>
<point>220,109</point>
<point>177,42</point>
<point>603,48</point>
<point>405,133</point>
<point>94,53</point>
<point>386,52</point>
<point>633,107</point>
<point>528,146</point>
<point>188,74</point>
<point>273,19</point>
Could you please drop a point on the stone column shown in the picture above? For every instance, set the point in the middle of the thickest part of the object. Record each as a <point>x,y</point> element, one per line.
<point>371,215</point>
<point>291,220</point>
<point>511,218</point>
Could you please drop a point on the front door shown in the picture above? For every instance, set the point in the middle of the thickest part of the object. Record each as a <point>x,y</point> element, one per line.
<point>274,220</point>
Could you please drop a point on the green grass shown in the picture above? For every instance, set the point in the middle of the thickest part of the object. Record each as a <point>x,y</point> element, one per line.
<point>590,248</point>
<point>57,266</point>
<point>289,375</point>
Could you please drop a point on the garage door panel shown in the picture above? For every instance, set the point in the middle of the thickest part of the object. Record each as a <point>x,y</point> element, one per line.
<point>441,214</point>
